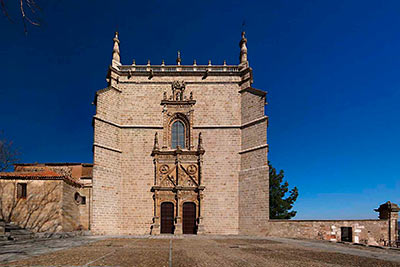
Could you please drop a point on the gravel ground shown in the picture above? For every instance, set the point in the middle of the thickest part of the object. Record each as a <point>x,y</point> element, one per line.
<point>194,251</point>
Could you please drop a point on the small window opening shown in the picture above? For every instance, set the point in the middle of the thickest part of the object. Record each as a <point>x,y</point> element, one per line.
<point>347,234</point>
<point>21,190</point>
<point>79,199</point>
<point>178,135</point>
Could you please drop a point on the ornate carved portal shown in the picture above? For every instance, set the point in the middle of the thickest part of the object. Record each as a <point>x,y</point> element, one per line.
<point>177,172</point>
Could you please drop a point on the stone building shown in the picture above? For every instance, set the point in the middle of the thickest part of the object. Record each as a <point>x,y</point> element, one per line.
<point>180,149</point>
<point>47,197</point>
<point>183,149</point>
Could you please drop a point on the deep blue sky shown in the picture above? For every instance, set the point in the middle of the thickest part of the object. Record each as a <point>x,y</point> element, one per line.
<point>331,69</point>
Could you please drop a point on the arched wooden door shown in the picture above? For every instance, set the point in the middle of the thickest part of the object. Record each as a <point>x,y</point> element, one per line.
<point>167,218</point>
<point>189,218</point>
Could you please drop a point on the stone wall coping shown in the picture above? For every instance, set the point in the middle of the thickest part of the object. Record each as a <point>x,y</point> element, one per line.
<point>254,91</point>
<point>179,68</point>
<point>52,164</point>
<point>253,148</point>
<point>350,220</point>
<point>250,123</point>
<point>107,147</point>
<point>33,178</point>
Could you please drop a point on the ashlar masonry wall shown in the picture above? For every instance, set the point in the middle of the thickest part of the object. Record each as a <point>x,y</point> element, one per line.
<point>40,211</point>
<point>234,170</point>
<point>127,118</point>
<point>254,172</point>
<point>371,232</point>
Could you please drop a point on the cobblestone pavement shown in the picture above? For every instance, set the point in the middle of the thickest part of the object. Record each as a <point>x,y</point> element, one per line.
<point>191,251</point>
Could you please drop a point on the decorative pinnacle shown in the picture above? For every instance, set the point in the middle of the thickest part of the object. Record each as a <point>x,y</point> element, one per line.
<point>116,54</point>
<point>194,62</point>
<point>243,49</point>
<point>163,63</point>
<point>156,146</point>
<point>200,143</point>
<point>178,59</point>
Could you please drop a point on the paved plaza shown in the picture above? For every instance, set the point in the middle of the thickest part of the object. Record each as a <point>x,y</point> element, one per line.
<point>191,251</point>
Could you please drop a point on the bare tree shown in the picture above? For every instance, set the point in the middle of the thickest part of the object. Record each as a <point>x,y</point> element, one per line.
<point>8,153</point>
<point>28,9</point>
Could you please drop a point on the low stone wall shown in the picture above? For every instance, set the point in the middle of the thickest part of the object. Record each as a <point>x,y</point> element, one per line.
<point>371,232</point>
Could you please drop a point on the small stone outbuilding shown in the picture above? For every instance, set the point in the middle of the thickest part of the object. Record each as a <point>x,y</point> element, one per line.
<point>47,197</point>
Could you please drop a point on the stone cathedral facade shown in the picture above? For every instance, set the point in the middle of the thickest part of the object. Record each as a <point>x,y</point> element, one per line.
<point>180,149</point>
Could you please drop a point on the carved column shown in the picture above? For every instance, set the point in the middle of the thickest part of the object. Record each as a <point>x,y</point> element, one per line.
<point>156,219</point>
<point>200,226</point>
<point>178,218</point>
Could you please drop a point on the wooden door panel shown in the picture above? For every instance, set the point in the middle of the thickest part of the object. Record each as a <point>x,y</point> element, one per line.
<point>167,218</point>
<point>189,218</point>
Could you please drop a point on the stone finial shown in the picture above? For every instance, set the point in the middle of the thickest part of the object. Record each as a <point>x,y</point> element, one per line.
<point>178,59</point>
<point>224,62</point>
<point>133,62</point>
<point>209,62</point>
<point>116,59</point>
<point>163,63</point>
<point>194,62</point>
<point>148,62</point>
<point>243,50</point>
<point>156,146</point>
<point>200,144</point>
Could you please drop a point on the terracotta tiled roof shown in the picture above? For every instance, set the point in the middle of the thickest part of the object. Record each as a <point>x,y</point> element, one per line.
<point>38,175</point>
<point>42,173</point>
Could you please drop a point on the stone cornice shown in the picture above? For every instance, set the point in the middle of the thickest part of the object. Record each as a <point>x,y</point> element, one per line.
<point>187,82</point>
<point>127,126</point>
<point>247,124</point>
<point>250,123</point>
<point>254,91</point>
<point>217,127</point>
<point>253,148</point>
<point>134,69</point>
<point>107,147</point>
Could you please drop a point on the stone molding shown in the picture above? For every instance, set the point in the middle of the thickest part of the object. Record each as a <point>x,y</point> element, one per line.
<point>327,220</point>
<point>192,82</point>
<point>247,124</point>
<point>253,148</point>
<point>250,123</point>
<point>254,91</point>
<point>127,126</point>
<point>107,147</point>
<point>217,127</point>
